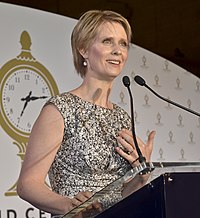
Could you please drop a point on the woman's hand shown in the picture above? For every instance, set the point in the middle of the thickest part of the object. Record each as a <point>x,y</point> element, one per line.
<point>127,149</point>
<point>81,197</point>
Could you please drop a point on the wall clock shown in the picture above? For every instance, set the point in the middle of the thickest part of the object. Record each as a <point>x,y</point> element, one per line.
<point>25,86</point>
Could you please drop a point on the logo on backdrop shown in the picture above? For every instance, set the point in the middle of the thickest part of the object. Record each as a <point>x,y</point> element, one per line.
<point>25,86</point>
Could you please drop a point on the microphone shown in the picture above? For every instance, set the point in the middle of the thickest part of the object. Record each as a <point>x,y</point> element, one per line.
<point>126,82</point>
<point>140,81</point>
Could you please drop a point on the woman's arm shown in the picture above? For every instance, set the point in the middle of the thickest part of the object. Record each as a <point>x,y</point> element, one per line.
<point>44,142</point>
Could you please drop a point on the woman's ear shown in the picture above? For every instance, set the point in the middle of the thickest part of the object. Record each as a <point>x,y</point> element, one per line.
<point>83,53</point>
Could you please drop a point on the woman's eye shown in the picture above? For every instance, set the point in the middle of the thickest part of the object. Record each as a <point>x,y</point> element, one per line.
<point>124,44</point>
<point>107,41</point>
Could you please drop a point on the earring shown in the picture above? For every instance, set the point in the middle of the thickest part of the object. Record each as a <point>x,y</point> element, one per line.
<point>84,63</point>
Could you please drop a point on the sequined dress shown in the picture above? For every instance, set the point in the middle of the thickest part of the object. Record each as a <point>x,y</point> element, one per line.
<point>86,159</point>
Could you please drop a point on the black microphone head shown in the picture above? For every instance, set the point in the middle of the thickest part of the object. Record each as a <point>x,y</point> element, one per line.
<point>126,81</point>
<point>139,80</point>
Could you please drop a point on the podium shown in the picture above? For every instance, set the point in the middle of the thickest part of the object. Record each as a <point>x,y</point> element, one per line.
<point>166,195</point>
<point>171,195</point>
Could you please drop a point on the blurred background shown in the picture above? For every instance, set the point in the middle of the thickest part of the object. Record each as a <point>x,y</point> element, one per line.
<point>169,28</point>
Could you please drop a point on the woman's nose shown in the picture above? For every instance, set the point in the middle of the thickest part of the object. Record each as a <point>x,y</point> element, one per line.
<point>116,51</point>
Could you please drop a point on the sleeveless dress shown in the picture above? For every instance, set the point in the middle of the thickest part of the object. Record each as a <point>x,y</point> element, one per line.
<point>86,159</point>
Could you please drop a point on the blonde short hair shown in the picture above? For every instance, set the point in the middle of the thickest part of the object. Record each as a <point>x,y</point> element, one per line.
<point>86,30</point>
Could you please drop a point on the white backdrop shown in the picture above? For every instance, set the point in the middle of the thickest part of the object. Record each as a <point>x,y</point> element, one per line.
<point>178,132</point>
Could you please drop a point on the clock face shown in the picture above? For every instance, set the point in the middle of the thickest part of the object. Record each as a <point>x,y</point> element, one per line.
<point>24,92</point>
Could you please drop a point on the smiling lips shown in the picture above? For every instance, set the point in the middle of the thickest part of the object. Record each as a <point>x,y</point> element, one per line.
<point>116,62</point>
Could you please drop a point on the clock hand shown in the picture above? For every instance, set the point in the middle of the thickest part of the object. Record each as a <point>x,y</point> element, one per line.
<point>29,98</point>
<point>26,99</point>
<point>33,98</point>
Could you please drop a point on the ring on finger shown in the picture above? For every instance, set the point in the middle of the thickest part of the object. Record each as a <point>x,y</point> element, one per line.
<point>129,152</point>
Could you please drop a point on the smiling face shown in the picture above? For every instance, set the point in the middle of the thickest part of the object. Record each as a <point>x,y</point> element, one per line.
<point>108,53</point>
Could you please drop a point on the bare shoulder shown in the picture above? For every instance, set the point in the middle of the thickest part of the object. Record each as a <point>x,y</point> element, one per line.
<point>48,124</point>
<point>50,115</point>
<point>51,111</point>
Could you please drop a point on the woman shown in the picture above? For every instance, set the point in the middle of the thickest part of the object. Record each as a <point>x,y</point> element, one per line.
<point>81,139</point>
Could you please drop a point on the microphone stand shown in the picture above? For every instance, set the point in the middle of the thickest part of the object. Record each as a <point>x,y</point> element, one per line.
<point>140,156</point>
<point>148,166</point>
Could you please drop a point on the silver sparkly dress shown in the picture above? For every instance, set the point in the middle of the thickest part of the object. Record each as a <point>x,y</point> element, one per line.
<point>86,159</point>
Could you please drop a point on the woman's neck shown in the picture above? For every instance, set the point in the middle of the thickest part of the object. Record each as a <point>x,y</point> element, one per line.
<point>96,92</point>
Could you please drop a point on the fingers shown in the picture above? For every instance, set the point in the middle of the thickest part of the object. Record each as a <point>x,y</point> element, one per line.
<point>147,148</point>
<point>127,149</point>
<point>125,138</point>
<point>126,145</point>
<point>150,143</point>
<point>97,206</point>
<point>151,138</point>
<point>126,135</point>
<point>122,153</point>
<point>81,197</point>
